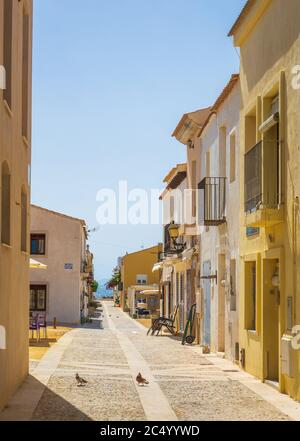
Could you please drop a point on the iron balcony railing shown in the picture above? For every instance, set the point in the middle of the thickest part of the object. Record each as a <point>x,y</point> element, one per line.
<point>253,178</point>
<point>167,239</point>
<point>212,201</point>
<point>262,176</point>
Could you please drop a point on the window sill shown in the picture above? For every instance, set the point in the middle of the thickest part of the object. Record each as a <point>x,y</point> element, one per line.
<point>7,108</point>
<point>9,247</point>
<point>264,217</point>
<point>252,332</point>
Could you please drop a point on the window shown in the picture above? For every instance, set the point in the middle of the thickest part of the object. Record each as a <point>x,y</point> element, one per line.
<point>23,221</point>
<point>222,152</point>
<point>233,285</point>
<point>232,157</point>
<point>38,244</point>
<point>7,49</point>
<point>38,297</point>
<point>5,204</point>
<point>25,75</point>
<point>141,279</point>
<point>251,296</point>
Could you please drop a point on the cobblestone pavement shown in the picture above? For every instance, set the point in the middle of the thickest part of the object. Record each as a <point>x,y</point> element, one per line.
<point>184,384</point>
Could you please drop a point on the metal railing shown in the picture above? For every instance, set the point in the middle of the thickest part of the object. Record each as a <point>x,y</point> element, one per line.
<point>167,239</point>
<point>253,178</point>
<point>212,201</point>
<point>262,188</point>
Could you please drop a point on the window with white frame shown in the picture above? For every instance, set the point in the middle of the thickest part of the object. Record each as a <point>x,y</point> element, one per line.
<point>141,279</point>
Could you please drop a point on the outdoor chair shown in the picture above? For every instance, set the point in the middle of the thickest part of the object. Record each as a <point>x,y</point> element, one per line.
<point>161,322</point>
<point>34,326</point>
<point>41,319</point>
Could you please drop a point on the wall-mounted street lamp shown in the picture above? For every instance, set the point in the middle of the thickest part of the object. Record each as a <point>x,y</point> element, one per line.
<point>174,234</point>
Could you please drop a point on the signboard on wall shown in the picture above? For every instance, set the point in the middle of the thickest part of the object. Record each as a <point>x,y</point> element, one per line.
<point>68,266</point>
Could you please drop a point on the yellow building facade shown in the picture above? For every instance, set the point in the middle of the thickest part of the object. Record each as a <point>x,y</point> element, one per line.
<point>137,269</point>
<point>15,159</point>
<point>268,35</point>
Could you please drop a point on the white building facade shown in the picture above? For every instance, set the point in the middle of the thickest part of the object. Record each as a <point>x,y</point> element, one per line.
<point>60,291</point>
<point>218,217</point>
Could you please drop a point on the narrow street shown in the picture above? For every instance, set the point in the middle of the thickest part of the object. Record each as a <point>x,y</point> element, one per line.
<point>184,385</point>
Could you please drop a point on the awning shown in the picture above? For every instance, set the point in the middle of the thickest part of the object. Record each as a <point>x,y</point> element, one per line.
<point>34,264</point>
<point>167,274</point>
<point>149,291</point>
<point>157,267</point>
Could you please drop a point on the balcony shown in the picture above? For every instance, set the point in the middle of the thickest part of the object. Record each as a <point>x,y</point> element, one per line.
<point>212,201</point>
<point>262,190</point>
<point>84,270</point>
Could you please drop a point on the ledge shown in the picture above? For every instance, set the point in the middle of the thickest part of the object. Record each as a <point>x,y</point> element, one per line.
<point>4,245</point>
<point>264,217</point>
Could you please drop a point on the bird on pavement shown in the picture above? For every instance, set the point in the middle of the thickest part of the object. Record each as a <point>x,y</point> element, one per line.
<point>140,380</point>
<point>80,381</point>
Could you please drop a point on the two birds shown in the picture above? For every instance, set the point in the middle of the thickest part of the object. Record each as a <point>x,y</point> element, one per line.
<point>139,379</point>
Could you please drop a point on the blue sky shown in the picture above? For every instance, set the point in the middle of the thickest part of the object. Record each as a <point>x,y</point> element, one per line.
<point>111,79</point>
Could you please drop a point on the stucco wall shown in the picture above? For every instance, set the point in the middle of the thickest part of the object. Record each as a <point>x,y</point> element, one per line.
<point>141,262</point>
<point>13,262</point>
<point>272,47</point>
<point>64,245</point>
<point>222,240</point>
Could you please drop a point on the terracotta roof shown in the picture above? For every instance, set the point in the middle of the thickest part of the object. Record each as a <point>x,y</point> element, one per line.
<point>198,117</point>
<point>221,98</point>
<point>158,246</point>
<point>244,12</point>
<point>82,221</point>
<point>225,92</point>
<point>177,169</point>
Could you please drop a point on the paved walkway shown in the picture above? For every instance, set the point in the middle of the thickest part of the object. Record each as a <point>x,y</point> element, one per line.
<point>184,384</point>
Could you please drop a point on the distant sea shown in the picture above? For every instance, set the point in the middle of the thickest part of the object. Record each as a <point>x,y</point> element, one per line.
<point>102,291</point>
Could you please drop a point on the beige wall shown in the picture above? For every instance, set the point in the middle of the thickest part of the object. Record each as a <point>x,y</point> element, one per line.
<point>13,262</point>
<point>65,243</point>
<point>274,43</point>
<point>220,244</point>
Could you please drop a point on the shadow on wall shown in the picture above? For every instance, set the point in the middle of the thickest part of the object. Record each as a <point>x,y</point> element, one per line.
<point>50,406</point>
<point>268,50</point>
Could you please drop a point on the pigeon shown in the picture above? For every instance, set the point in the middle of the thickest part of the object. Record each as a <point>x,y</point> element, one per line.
<point>140,380</point>
<point>80,381</point>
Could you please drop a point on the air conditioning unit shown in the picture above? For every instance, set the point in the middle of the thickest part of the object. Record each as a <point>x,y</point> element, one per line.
<point>269,123</point>
<point>287,356</point>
